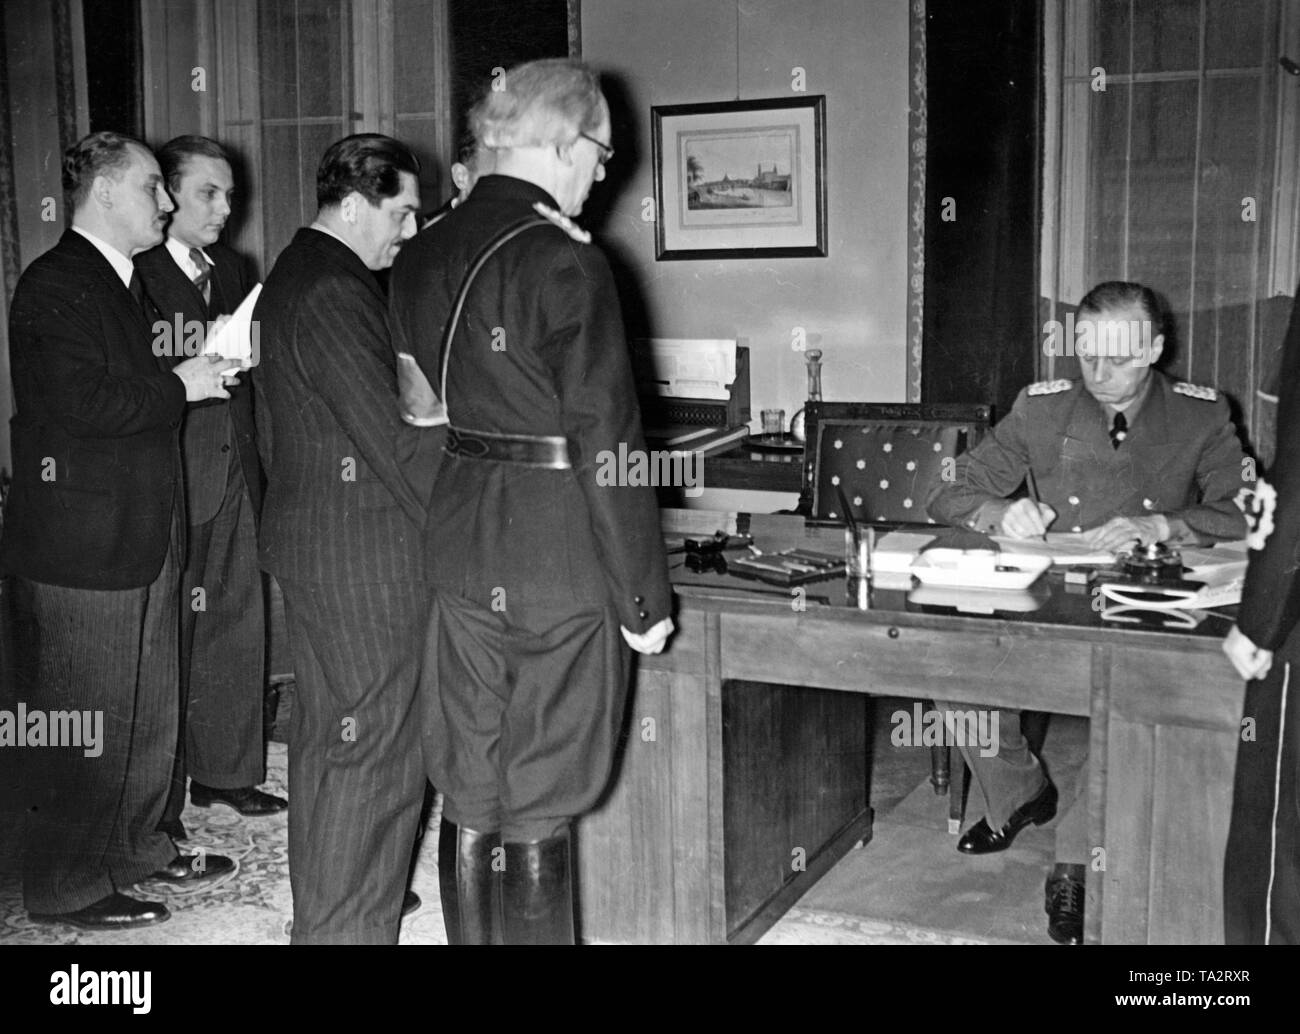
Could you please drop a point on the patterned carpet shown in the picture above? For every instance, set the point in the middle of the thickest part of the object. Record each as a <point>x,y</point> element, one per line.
<point>250,906</point>
<point>253,904</point>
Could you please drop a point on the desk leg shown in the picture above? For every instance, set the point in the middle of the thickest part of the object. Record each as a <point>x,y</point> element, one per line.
<point>1098,767</point>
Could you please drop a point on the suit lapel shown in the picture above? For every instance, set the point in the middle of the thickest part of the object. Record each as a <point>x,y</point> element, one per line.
<point>128,312</point>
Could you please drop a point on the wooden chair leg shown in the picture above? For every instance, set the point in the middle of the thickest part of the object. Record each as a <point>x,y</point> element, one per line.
<point>939,769</point>
<point>957,792</point>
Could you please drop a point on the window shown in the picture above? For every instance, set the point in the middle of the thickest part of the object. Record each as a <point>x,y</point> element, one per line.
<point>1167,161</point>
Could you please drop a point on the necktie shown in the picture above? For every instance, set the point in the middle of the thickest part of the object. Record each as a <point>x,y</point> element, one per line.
<point>1118,430</point>
<point>203,279</point>
<point>136,287</point>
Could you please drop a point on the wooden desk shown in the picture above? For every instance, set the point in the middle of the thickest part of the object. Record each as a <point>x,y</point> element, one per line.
<point>733,797</point>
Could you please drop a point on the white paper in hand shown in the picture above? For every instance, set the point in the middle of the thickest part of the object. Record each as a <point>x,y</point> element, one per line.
<point>238,338</point>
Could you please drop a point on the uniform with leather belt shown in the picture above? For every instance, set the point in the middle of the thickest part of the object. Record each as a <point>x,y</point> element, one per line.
<point>534,565</point>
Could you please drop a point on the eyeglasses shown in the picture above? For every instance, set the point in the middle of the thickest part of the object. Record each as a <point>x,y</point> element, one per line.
<point>606,152</point>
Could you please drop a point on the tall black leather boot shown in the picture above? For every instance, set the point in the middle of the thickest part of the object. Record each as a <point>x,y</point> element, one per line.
<point>537,892</point>
<point>470,887</point>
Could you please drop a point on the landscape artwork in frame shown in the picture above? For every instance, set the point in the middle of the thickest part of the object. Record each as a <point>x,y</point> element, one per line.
<point>740,179</point>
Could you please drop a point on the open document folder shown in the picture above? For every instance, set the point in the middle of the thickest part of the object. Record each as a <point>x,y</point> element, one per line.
<point>237,339</point>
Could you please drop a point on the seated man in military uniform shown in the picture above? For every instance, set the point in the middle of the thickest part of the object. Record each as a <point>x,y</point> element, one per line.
<point>1126,455</point>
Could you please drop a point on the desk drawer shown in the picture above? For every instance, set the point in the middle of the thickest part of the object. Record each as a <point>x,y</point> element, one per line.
<point>1010,670</point>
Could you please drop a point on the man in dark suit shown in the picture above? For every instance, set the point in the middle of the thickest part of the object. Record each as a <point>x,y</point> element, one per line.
<point>543,574</point>
<point>193,279</point>
<point>347,485</point>
<point>1125,455</point>
<point>1261,870</point>
<point>94,535</point>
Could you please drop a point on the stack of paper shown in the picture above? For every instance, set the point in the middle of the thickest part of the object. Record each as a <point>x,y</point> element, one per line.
<point>237,339</point>
<point>1065,548</point>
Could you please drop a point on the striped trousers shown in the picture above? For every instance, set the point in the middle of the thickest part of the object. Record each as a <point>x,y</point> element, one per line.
<point>92,821</point>
<point>356,776</point>
<point>1261,871</point>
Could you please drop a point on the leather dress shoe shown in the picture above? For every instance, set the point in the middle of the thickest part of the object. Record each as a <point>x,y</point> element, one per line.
<point>1064,904</point>
<point>173,828</point>
<point>410,903</point>
<point>115,912</point>
<point>246,800</point>
<point>980,839</point>
<point>192,868</point>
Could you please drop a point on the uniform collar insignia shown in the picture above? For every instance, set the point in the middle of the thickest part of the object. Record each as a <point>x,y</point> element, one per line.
<point>1049,387</point>
<point>563,222</point>
<point>1195,391</point>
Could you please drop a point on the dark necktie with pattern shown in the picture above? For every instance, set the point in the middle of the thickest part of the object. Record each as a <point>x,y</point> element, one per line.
<point>203,279</point>
<point>1118,430</point>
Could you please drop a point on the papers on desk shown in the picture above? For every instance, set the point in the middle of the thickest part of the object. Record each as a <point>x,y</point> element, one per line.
<point>236,340</point>
<point>1062,548</point>
<point>979,569</point>
<point>1222,569</point>
<point>691,368</point>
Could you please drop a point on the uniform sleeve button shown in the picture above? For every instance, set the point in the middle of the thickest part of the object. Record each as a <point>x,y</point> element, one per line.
<point>1147,504</point>
<point>1076,528</point>
<point>1073,500</point>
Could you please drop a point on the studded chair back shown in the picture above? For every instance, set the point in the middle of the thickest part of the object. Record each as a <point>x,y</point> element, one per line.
<point>885,456</point>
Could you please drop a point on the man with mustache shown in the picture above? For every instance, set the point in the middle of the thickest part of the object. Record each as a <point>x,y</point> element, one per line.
<point>192,278</point>
<point>94,537</point>
<point>347,487</point>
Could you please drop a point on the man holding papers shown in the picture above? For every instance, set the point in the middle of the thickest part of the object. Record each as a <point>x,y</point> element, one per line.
<point>1126,455</point>
<point>93,539</point>
<point>192,280</point>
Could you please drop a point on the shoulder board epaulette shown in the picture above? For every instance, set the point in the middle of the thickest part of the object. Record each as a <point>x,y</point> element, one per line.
<point>1049,387</point>
<point>1196,391</point>
<point>563,222</point>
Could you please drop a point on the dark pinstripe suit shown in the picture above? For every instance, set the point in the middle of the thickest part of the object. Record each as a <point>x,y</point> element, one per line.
<point>347,483</point>
<point>93,532</point>
<point>223,644</point>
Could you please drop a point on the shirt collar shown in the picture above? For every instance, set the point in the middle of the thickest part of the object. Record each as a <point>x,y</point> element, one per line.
<point>181,253</point>
<point>1134,407</point>
<point>321,228</point>
<point>121,264</point>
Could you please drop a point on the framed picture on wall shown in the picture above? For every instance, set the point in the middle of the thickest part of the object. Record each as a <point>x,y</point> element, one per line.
<point>740,179</point>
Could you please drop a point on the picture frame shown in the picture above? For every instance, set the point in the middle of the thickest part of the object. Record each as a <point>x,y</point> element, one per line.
<point>740,179</point>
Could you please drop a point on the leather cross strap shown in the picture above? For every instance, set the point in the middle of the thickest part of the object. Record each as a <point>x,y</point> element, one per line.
<point>420,405</point>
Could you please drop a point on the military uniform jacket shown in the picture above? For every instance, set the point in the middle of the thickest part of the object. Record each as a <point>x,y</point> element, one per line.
<point>1181,458</point>
<point>347,480</point>
<point>215,431</point>
<point>1270,600</point>
<point>95,433</point>
<point>540,350</point>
